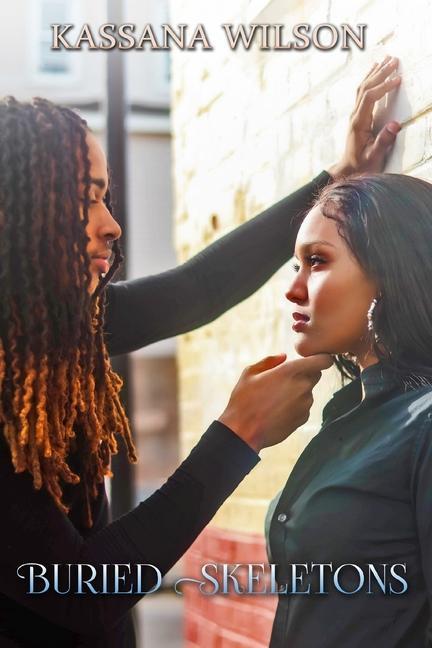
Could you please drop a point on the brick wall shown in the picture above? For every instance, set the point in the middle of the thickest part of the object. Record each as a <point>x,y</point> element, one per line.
<point>249,127</point>
<point>227,620</point>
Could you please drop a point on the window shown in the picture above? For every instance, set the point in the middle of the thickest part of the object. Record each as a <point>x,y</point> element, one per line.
<point>47,65</point>
<point>52,61</point>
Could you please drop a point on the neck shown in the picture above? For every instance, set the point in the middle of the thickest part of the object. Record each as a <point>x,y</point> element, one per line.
<point>367,361</point>
<point>364,355</point>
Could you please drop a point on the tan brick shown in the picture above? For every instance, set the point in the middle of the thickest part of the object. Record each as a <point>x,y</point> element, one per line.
<point>248,128</point>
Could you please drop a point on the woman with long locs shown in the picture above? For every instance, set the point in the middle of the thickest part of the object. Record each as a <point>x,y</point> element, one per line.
<point>359,499</point>
<point>60,412</point>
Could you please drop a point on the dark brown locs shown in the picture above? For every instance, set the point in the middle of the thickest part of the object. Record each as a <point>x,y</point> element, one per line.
<point>58,393</point>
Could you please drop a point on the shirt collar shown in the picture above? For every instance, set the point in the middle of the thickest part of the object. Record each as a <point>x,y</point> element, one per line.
<point>376,380</point>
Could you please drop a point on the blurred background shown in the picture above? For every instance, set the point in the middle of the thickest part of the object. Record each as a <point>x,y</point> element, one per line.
<point>133,105</point>
<point>199,142</point>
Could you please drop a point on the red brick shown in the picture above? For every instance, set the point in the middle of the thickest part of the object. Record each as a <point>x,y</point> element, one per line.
<point>232,620</point>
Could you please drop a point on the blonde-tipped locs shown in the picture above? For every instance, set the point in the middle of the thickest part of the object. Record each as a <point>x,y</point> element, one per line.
<point>58,393</point>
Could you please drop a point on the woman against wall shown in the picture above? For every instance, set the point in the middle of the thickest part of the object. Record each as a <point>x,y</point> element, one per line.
<point>358,501</point>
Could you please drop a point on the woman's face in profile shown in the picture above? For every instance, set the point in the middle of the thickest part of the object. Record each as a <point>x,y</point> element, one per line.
<point>330,293</point>
<point>102,229</point>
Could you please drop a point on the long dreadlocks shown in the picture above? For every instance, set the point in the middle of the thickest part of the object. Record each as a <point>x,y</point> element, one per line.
<point>58,393</point>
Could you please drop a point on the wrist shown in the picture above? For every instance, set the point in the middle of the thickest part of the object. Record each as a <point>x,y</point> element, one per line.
<point>340,170</point>
<point>247,432</point>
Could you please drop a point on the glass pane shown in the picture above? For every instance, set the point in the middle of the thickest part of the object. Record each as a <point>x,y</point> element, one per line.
<point>53,11</point>
<point>53,61</point>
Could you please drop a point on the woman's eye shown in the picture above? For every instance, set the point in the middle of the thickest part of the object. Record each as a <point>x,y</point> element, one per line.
<point>92,201</point>
<point>314,260</point>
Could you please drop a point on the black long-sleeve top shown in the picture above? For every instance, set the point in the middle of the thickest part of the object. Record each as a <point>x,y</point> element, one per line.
<point>161,528</point>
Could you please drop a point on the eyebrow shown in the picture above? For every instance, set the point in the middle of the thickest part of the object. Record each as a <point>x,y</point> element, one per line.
<point>307,246</point>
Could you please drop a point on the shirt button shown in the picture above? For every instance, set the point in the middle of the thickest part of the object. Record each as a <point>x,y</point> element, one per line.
<point>282,517</point>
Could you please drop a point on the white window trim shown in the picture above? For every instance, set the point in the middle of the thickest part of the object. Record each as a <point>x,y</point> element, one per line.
<point>162,84</point>
<point>34,58</point>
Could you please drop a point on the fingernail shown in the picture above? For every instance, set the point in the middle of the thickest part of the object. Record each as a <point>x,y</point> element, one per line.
<point>393,127</point>
<point>394,81</point>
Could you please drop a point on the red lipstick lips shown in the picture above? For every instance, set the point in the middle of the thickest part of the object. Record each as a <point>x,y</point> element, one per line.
<point>300,322</point>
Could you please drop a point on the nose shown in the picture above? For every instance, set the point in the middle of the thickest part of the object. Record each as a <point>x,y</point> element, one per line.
<point>297,292</point>
<point>109,228</point>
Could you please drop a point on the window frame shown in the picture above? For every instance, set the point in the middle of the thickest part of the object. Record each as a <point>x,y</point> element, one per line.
<point>45,77</point>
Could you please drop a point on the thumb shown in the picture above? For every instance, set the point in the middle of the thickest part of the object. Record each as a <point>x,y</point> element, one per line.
<point>268,362</point>
<point>384,141</point>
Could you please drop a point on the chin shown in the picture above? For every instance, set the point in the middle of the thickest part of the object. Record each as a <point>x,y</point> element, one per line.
<point>306,352</point>
<point>93,285</point>
<point>306,348</point>
<point>91,289</point>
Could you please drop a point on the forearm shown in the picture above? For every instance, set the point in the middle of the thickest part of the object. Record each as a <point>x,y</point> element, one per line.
<point>157,532</point>
<point>236,265</point>
<point>145,310</point>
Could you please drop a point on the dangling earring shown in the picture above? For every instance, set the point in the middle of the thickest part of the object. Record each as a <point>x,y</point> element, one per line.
<point>370,314</point>
<point>370,319</point>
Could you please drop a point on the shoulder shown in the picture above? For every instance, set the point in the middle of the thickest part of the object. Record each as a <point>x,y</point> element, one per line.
<point>408,411</point>
<point>420,409</point>
<point>413,412</point>
<point>418,403</point>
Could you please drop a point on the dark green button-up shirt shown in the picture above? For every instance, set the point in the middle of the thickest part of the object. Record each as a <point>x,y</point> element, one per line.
<point>359,495</point>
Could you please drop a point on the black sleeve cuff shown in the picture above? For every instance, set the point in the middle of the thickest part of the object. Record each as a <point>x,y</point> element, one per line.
<point>226,452</point>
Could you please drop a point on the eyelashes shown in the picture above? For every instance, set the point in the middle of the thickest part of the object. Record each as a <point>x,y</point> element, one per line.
<point>313,260</point>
